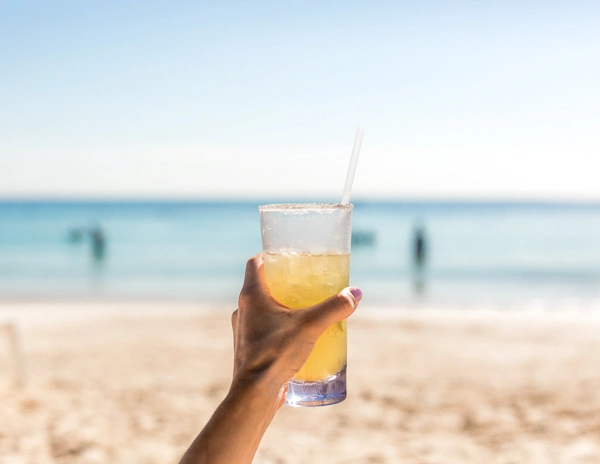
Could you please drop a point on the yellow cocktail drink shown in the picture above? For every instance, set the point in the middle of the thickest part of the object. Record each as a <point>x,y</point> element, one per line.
<point>298,280</point>
<point>306,254</point>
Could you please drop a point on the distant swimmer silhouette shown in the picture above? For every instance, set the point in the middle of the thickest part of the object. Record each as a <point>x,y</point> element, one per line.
<point>98,243</point>
<point>362,238</point>
<point>76,234</point>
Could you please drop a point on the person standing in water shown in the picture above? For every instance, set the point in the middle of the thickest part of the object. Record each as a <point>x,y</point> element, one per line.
<point>419,257</point>
<point>98,243</point>
<point>419,246</point>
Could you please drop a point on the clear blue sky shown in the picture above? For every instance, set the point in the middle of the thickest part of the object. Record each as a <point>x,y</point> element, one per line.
<point>467,99</point>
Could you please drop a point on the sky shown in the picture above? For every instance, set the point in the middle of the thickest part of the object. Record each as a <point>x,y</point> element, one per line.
<point>458,99</point>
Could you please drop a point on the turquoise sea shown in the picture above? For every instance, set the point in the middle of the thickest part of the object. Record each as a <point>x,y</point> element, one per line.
<point>499,255</point>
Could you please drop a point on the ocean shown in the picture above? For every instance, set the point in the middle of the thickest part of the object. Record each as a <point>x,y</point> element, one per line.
<point>498,255</point>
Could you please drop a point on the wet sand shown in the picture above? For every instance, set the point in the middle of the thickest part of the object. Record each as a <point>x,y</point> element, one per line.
<point>134,383</point>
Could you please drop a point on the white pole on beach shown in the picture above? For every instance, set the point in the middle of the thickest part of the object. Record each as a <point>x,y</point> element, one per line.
<point>16,349</point>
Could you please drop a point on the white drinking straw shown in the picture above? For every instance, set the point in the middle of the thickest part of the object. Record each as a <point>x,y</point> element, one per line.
<point>352,167</point>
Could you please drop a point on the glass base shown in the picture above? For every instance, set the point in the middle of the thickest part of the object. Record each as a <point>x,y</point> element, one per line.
<point>321,393</point>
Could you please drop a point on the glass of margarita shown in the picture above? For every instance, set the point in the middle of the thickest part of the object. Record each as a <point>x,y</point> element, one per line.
<point>306,254</point>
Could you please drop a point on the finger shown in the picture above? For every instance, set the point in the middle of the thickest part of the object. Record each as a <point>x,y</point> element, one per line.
<point>255,276</point>
<point>332,310</point>
<point>255,283</point>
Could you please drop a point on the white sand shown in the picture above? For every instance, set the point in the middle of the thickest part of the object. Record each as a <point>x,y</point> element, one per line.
<point>135,383</point>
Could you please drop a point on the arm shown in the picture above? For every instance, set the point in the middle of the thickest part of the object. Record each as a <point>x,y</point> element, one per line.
<point>234,431</point>
<point>271,343</point>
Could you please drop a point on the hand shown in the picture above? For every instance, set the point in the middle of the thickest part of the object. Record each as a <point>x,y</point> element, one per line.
<point>271,344</point>
<point>274,341</point>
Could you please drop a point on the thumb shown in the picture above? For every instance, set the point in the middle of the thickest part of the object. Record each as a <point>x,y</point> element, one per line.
<point>332,310</point>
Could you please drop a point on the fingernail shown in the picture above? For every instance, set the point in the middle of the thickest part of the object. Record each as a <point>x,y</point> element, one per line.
<point>356,293</point>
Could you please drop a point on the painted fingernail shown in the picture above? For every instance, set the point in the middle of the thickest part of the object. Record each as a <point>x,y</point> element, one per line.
<point>356,293</point>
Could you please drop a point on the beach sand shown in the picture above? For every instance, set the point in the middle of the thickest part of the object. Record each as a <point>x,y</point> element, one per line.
<point>134,383</point>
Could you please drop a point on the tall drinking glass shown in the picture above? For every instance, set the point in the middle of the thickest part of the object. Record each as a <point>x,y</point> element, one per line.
<point>306,253</point>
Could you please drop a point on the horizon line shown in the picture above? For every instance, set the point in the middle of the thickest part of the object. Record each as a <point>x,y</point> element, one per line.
<point>300,199</point>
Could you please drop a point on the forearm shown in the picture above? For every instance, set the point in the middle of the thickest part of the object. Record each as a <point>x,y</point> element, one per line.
<point>233,433</point>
